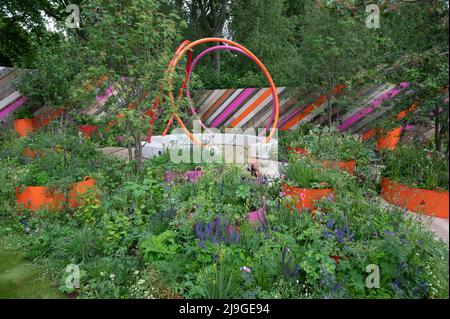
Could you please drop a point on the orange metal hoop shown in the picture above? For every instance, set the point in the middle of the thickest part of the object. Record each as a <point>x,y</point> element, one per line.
<point>179,54</point>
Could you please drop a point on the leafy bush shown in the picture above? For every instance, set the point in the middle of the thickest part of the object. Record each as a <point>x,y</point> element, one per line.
<point>304,173</point>
<point>22,113</point>
<point>156,247</point>
<point>416,166</point>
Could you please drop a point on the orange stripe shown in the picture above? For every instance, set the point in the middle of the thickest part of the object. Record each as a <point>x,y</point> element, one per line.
<point>210,110</point>
<point>368,135</point>
<point>305,112</point>
<point>251,107</point>
<point>402,114</point>
<point>310,108</point>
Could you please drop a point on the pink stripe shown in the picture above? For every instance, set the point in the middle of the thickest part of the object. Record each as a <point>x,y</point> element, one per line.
<point>294,113</point>
<point>102,98</point>
<point>13,106</point>
<point>230,108</point>
<point>359,115</point>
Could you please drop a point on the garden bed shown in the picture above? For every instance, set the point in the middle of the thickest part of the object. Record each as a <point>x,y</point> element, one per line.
<point>430,202</point>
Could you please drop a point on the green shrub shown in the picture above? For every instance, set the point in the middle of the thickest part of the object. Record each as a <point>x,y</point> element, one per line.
<point>416,166</point>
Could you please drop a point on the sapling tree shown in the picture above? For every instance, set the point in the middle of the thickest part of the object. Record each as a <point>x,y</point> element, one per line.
<point>48,83</point>
<point>127,48</point>
<point>418,33</point>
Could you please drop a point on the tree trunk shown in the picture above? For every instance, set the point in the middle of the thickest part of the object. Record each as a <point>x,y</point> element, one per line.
<point>138,154</point>
<point>437,131</point>
<point>130,153</point>
<point>447,153</point>
<point>330,102</point>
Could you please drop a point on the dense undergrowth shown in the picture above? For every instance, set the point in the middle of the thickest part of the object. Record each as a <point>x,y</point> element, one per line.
<point>140,237</point>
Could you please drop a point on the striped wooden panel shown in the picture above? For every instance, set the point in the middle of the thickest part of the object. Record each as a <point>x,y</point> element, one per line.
<point>251,107</point>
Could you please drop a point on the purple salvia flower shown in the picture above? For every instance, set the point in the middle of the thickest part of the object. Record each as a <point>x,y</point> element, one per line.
<point>330,223</point>
<point>198,230</point>
<point>218,224</point>
<point>232,234</point>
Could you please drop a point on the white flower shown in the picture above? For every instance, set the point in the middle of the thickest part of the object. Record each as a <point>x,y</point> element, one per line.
<point>246,269</point>
<point>112,276</point>
<point>136,272</point>
<point>141,281</point>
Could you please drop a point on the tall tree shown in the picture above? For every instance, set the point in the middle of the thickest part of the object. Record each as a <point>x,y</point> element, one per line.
<point>23,25</point>
<point>129,43</point>
<point>415,41</point>
<point>208,17</point>
<point>335,46</point>
<point>264,28</point>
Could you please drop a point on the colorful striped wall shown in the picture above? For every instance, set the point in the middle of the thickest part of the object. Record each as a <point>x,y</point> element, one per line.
<point>253,107</point>
<point>249,107</point>
<point>10,98</point>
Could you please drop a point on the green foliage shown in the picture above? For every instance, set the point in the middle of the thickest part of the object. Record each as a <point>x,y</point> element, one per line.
<point>78,247</point>
<point>57,156</point>
<point>305,173</point>
<point>89,210</point>
<point>144,238</point>
<point>132,45</point>
<point>55,67</point>
<point>417,167</point>
<point>22,113</point>
<point>160,246</point>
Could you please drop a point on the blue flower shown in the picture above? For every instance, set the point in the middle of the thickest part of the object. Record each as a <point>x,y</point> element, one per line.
<point>327,234</point>
<point>330,223</point>
<point>198,230</point>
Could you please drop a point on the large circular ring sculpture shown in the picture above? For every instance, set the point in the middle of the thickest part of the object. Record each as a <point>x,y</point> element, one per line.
<point>194,64</point>
<point>188,47</point>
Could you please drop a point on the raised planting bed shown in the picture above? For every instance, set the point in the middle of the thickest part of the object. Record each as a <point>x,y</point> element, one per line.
<point>30,153</point>
<point>349,166</point>
<point>429,202</point>
<point>416,178</point>
<point>307,183</point>
<point>39,197</point>
<point>43,197</point>
<point>390,140</point>
<point>332,149</point>
<point>368,135</point>
<point>77,190</point>
<point>258,216</point>
<point>306,198</point>
<point>23,127</point>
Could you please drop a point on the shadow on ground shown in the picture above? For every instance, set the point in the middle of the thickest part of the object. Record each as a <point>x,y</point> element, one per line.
<point>20,279</point>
